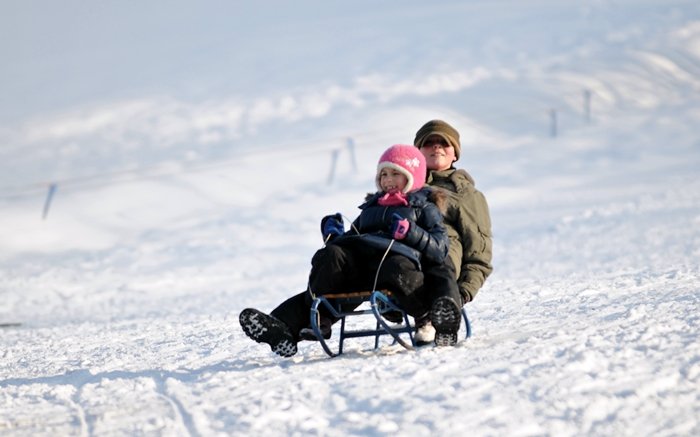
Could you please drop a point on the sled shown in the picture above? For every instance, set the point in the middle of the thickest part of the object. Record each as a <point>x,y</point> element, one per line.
<point>381,302</point>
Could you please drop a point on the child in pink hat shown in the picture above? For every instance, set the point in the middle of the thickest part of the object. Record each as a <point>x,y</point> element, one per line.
<point>398,234</point>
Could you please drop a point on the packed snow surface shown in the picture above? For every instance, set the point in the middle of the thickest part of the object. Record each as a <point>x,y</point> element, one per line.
<point>195,146</point>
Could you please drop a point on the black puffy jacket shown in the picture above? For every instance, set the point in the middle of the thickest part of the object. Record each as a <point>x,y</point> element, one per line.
<point>426,238</point>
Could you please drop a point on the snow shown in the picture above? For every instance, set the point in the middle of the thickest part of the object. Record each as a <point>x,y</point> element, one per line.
<point>192,157</point>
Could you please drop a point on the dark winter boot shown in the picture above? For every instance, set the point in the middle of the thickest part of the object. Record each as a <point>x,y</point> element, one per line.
<point>264,328</point>
<point>445,316</point>
<point>324,326</point>
<point>393,316</point>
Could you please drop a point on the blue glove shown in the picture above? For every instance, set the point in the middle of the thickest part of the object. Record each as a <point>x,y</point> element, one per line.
<point>332,226</point>
<point>399,227</point>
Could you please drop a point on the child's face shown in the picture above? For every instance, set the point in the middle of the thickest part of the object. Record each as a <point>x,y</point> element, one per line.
<point>439,154</point>
<point>392,180</point>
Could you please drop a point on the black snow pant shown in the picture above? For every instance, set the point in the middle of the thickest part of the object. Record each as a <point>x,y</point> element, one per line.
<point>338,269</point>
<point>440,281</point>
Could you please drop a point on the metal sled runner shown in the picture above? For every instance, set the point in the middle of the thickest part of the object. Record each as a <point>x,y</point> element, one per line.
<point>380,303</point>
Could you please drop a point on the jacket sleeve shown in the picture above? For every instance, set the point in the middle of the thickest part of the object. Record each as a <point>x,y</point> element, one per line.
<point>428,234</point>
<point>474,229</point>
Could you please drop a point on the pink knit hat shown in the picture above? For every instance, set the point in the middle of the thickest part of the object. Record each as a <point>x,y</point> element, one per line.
<point>409,160</point>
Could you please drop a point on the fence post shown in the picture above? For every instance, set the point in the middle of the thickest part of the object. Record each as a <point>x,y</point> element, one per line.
<point>553,122</point>
<point>47,202</point>
<point>587,105</point>
<point>334,162</point>
<point>351,148</point>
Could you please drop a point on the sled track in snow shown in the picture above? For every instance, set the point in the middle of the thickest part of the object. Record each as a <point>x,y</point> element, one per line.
<point>82,378</point>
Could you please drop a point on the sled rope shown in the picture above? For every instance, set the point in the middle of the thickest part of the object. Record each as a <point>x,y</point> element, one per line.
<point>376,276</point>
<point>352,225</point>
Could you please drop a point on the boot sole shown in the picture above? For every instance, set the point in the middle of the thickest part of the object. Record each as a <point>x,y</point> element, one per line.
<point>264,328</point>
<point>445,317</point>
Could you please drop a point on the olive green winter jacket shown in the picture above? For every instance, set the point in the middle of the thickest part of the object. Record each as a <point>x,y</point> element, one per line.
<point>469,228</point>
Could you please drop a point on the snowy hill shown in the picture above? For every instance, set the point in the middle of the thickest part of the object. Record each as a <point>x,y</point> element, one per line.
<point>192,158</point>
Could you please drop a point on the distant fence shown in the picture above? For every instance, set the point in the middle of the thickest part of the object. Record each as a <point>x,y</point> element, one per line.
<point>553,117</point>
<point>349,147</point>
